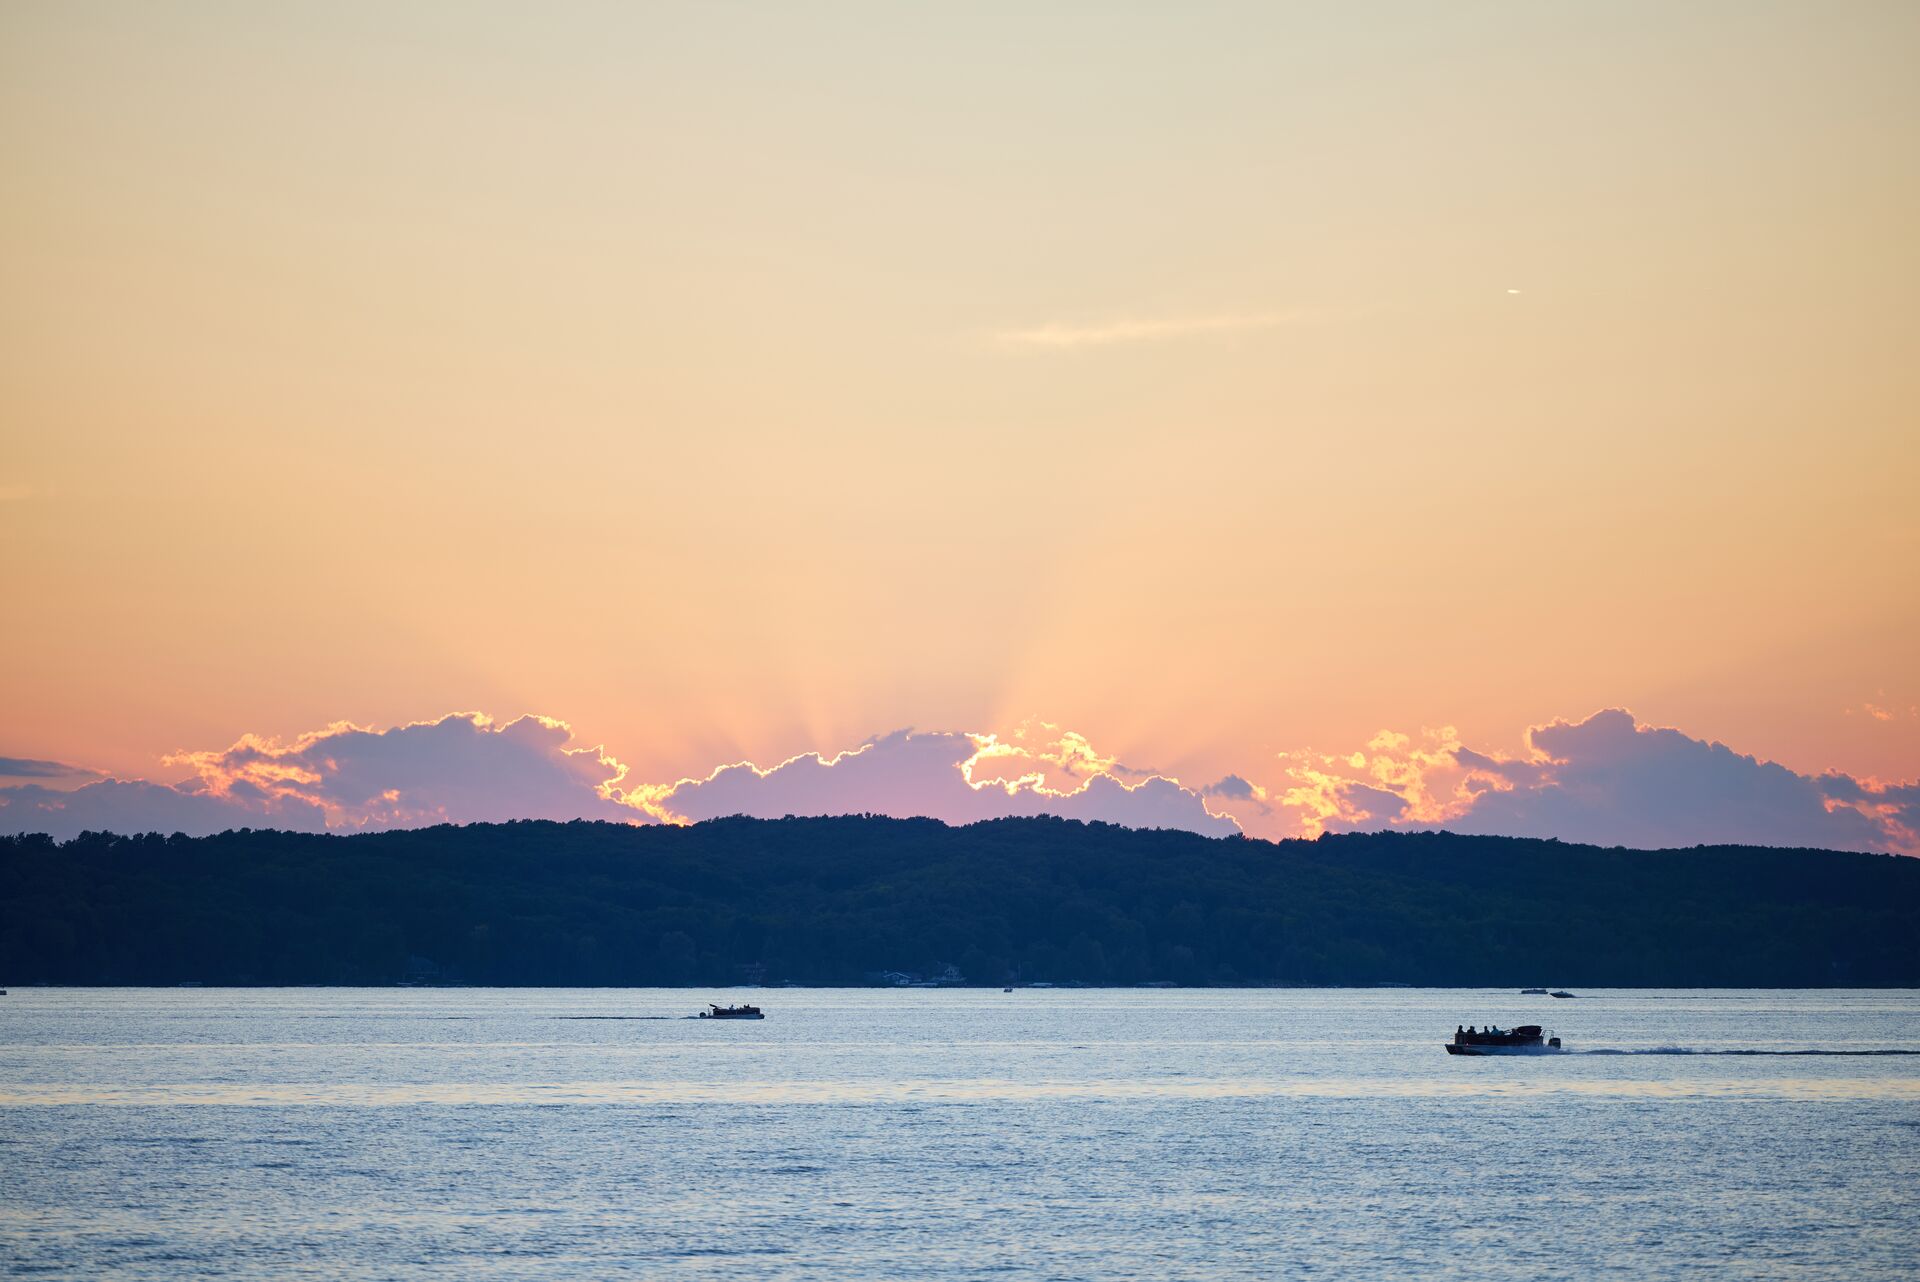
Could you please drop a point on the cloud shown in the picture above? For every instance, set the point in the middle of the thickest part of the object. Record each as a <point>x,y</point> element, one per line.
<point>1249,805</point>
<point>1231,786</point>
<point>135,806</point>
<point>1617,782</point>
<point>1106,333</point>
<point>1607,780</point>
<point>463,768</point>
<point>954,777</point>
<point>29,768</point>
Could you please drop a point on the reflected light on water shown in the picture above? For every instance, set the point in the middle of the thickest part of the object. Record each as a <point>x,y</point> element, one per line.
<point>367,1095</point>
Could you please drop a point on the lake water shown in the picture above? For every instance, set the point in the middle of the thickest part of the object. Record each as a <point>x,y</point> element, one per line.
<point>449,1133</point>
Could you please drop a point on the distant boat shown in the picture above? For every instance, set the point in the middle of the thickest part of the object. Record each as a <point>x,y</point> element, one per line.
<point>731,1012</point>
<point>1528,1039</point>
<point>1533,992</point>
<point>1560,992</point>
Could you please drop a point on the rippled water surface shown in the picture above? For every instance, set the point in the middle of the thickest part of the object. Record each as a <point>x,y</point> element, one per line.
<point>384,1133</point>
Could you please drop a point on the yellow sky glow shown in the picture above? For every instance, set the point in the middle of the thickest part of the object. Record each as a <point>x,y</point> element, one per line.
<point>1219,381</point>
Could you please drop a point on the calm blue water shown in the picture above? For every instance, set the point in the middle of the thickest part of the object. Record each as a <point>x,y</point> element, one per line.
<point>409,1134</point>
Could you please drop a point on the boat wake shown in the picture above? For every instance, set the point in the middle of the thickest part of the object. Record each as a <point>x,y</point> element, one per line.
<point>1690,1050</point>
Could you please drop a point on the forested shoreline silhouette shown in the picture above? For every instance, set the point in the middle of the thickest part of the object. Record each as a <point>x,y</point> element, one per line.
<point>867,899</point>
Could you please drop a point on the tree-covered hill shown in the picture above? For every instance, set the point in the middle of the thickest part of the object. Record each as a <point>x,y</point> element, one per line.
<point>834,901</point>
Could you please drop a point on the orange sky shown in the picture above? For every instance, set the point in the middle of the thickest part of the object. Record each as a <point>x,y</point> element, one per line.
<point>1218,381</point>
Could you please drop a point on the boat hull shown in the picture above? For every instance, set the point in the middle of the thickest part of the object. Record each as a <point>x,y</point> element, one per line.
<point>1456,1049</point>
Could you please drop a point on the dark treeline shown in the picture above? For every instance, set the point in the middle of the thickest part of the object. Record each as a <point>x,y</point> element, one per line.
<point>834,901</point>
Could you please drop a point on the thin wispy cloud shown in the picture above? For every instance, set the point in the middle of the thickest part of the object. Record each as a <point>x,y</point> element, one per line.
<point>1110,332</point>
<point>1881,708</point>
<point>33,768</point>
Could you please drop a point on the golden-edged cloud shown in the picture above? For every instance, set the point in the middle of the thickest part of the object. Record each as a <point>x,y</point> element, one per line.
<point>951,776</point>
<point>1607,780</point>
<point>461,768</point>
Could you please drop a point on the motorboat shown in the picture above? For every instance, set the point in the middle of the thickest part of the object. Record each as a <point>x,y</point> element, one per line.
<point>731,1012</point>
<point>1560,992</point>
<point>1527,1039</point>
<point>1533,992</point>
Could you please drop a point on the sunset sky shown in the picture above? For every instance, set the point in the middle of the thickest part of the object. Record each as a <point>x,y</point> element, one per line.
<point>1103,391</point>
